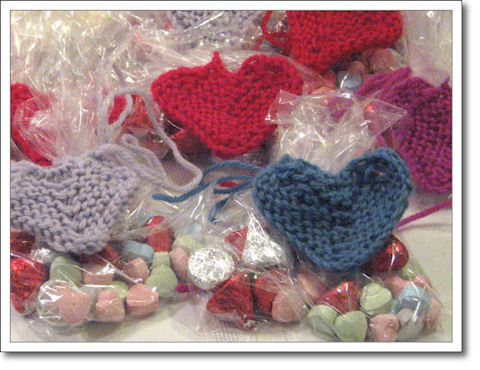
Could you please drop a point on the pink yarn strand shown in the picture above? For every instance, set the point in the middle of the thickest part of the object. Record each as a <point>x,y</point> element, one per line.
<point>428,211</point>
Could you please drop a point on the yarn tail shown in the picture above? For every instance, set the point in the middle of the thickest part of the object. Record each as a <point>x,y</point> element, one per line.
<point>424,213</point>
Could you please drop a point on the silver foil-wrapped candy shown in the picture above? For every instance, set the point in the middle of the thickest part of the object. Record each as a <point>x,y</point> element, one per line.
<point>208,267</point>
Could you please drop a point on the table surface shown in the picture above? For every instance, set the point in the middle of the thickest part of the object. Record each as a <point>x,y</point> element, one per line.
<point>429,241</point>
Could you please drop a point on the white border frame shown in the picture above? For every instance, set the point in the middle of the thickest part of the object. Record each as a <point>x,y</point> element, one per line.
<point>454,346</point>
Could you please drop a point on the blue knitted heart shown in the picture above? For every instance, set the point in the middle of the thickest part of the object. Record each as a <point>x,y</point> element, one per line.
<point>338,222</point>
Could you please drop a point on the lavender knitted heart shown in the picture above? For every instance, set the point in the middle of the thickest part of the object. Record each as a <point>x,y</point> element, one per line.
<point>73,205</point>
<point>338,222</point>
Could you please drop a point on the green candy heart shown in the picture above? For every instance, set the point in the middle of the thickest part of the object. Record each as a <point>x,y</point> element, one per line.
<point>65,269</point>
<point>351,327</point>
<point>322,318</point>
<point>120,287</point>
<point>163,281</point>
<point>161,258</point>
<point>375,299</point>
<point>187,243</point>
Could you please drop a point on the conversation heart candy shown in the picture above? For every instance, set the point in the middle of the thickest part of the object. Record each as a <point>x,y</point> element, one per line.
<point>432,317</point>
<point>414,298</point>
<point>351,326</point>
<point>179,261</point>
<point>109,306</point>
<point>162,281</point>
<point>132,250</point>
<point>322,318</point>
<point>411,325</point>
<point>395,284</point>
<point>374,299</point>
<point>161,258</point>
<point>120,287</point>
<point>343,298</point>
<point>383,328</point>
<point>73,305</point>
<point>141,300</point>
<point>288,307</point>
<point>65,269</point>
<point>312,285</point>
<point>97,274</point>
<point>137,269</point>
<point>188,243</point>
<point>422,281</point>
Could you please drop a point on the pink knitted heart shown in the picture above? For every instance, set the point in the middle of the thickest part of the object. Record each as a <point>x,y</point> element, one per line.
<point>424,138</point>
<point>225,110</point>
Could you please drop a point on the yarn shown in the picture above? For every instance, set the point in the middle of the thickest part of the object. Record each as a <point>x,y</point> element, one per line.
<point>72,206</point>
<point>424,138</point>
<point>22,96</point>
<point>337,222</point>
<point>319,39</point>
<point>226,110</point>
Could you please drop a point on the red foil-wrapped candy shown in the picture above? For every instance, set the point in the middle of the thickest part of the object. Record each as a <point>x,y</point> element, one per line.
<point>343,298</point>
<point>233,302</point>
<point>159,238</point>
<point>26,277</point>
<point>21,242</point>
<point>266,287</point>
<point>393,257</point>
<point>237,239</point>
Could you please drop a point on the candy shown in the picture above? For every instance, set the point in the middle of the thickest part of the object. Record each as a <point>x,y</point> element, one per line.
<point>322,318</point>
<point>375,299</point>
<point>407,272</point>
<point>238,239</point>
<point>21,242</point>
<point>26,277</point>
<point>162,281</point>
<point>288,307</point>
<point>187,243</point>
<point>43,255</point>
<point>266,287</point>
<point>97,274</point>
<point>395,284</point>
<point>137,269</point>
<point>160,239</point>
<point>383,328</point>
<point>161,258</point>
<point>65,269</point>
<point>346,80</point>
<point>106,255</point>
<point>343,298</point>
<point>47,307</point>
<point>141,300</point>
<point>132,250</point>
<point>411,325</point>
<point>384,60</point>
<point>120,287</point>
<point>109,306</point>
<point>414,298</point>
<point>209,266</point>
<point>351,327</point>
<point>432,317</point>
<point>422,281</point>
<point>73,305</point>
<point>312,285</point>
<point>393,256</point>
<point>179,260</point>
<point>233,302</point>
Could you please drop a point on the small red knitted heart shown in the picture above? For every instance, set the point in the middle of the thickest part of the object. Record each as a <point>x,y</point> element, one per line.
<point>234,301</point>
<point>21,94</point>
<point>319,39</point>
<point>343,298</point>
<point>226,110</point>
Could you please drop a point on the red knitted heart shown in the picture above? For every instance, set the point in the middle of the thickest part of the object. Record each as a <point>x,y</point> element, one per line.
<point>225,110</point>
<point>21,94</point>
<point>234,301</point>
<point>319,39</point>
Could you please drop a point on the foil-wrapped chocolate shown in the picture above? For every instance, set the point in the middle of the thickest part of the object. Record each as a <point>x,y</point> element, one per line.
<point>261,250</point>
<point>43,255</point>
<point>208,267</point>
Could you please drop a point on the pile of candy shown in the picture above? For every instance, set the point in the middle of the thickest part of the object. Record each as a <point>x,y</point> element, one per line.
<point>238,156</point>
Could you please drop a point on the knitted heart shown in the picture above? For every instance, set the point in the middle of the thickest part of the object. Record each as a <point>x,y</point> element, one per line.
<point>72,206</point>
<point>424,138</point>
<point>338,222</point>
<point>234,301</point>
<point>225,110</point>
<point>21,94</point>
<point>319,39</point>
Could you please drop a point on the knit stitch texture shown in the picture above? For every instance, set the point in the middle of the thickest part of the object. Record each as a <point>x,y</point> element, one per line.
<point>424,138</point>
<point>71,206</point>
<point>20,94</point>
<point>226,110</point>
<point>338,222</point>
<point>319,39</point>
